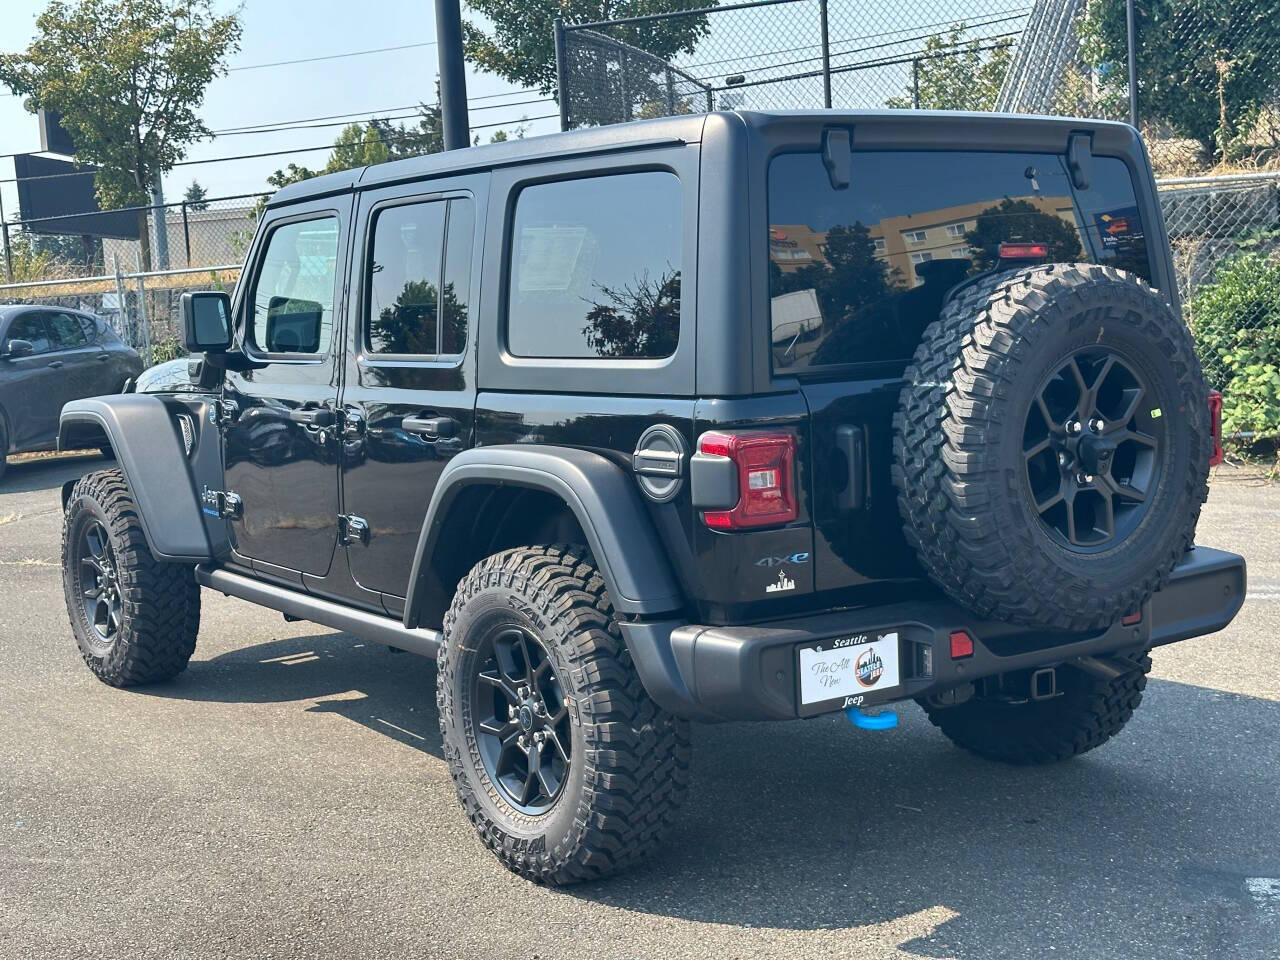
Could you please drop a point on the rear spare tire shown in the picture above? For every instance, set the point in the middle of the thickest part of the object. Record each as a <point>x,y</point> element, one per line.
<point>1051,446</point>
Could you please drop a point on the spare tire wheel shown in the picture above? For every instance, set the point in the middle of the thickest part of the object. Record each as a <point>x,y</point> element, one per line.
<point>1051,446</point>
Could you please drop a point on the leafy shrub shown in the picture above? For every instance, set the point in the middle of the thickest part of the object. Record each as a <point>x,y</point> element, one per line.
<point>167,348</point>
<point>1236,324</point>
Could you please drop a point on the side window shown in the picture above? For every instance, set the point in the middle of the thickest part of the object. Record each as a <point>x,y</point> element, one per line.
<point>595,268</point>
<point>30,326</point>
<point>454,302</point>
<point>419,279</point>
<point>90,327</point>
<point>294,291</point>
<point>66,331</point>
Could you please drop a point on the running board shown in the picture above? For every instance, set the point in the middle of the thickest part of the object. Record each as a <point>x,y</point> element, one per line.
<point>303,606</point>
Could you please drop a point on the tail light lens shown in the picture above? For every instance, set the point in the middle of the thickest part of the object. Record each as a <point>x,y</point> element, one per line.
<point>1215,427</point>
<point>766,479</point>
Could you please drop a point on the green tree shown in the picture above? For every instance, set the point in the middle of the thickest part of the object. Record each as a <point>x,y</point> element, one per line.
<point>1020,220</point>
<point>127,77</point>
<point>195,196</point>
<point>1206,68</point>
<point>641,320</point>
<point>521,45</point>
<point>958,74</point>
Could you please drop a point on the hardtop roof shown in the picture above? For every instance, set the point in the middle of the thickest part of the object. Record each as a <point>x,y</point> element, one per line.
<point>930,127</point>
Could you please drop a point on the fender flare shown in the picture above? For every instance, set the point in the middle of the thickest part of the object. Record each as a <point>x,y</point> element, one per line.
<point>144,436</point>
<point>601,496</point>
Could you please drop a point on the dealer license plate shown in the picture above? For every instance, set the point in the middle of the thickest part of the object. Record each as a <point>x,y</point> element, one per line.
<point>848,667</point>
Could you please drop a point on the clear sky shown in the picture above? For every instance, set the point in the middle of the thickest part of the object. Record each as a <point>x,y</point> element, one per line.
<point>276,30</point>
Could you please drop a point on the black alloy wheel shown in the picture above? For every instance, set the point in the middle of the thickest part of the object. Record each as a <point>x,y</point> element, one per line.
<point>99,584</point>
<point>522,719</point>
<point>1093,446</point>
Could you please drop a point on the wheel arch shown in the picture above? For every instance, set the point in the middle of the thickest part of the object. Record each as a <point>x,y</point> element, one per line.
<point>491,498</point>
<point>142,433</point>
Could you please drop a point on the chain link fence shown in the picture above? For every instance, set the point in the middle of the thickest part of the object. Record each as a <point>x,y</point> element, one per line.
<point>1200,80</point>
<point>203,233</point>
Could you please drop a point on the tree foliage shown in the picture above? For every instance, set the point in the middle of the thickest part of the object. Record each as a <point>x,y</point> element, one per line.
<point>640,320</point>
<point>1206,68</point>
<point>521,45</point>
<point>127,77</point>
<point>195,196</point>
<point>958,74</point>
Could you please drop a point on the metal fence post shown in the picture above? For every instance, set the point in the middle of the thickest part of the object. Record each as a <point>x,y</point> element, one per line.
<point>915,84</point>
<point>624,65</point>
<point>671,93</point>
<point>562,68</point>
<point>123,324</point>
<point>186,232</point>
<point>1133,63</point>
<point>826,55</point>
<point>8,251</point>
<point>143,323</point>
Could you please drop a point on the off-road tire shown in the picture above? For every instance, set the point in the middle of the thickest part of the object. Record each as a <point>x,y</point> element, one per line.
<point>957,448</point>
<point>1090,711</point>
<point>160,602</point>
<point>629,763</point>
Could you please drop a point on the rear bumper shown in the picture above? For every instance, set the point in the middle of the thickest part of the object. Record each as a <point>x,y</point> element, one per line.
<point>750,672</point>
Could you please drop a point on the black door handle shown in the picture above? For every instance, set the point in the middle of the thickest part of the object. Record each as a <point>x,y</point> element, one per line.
<point>319,417</point>
<point>54,364</point>
<point>434,428</point>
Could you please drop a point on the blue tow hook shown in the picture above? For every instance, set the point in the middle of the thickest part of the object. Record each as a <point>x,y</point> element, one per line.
<point>885,720</point>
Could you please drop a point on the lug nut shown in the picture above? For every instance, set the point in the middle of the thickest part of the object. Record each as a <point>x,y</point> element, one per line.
<point>511,713</point>
<point>1063,458</point>
<point>1073,426</point>
<point>1097,424</point>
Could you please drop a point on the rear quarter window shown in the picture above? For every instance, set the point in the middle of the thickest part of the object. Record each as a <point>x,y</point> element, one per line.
<point>595,268</point>
<point>855,275</point>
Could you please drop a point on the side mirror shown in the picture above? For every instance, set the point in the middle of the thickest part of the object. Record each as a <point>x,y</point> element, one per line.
<point>18,348</point>
<point>206,322</point>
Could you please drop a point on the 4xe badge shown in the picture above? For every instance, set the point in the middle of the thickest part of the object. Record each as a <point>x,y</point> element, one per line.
<point>779,561</point>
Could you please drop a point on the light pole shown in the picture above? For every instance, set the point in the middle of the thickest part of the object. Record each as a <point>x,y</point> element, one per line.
<point>453,75</point>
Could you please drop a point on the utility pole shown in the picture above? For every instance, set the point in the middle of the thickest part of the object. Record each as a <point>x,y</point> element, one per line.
<point>162,228</point>
<point>453,75</point>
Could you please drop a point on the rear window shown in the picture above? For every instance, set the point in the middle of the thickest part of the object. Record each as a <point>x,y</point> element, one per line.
<point>855,275</point>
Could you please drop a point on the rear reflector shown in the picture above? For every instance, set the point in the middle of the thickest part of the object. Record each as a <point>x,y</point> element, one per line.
<point>1024,251</point>
<point>766,479</point>
<point>961,645</point>
<point>1131,619</point>
<point>1215,427</point>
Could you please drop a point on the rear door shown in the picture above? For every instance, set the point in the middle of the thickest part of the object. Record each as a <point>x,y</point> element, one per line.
<point>408,401</point>
<point>83,374</point>
<point>30,384</point>
<point>858,272</point>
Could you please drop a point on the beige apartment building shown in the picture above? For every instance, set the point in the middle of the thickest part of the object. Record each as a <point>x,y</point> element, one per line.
<point>905,241</point>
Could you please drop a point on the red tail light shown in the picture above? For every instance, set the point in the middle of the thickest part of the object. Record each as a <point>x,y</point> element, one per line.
<point>766,478</point>
<point>1215,427</point>
<point>1024,251</point>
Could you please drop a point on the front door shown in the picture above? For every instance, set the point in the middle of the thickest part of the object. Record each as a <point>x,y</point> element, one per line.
<point>280,445</point>
<point>409,394</point>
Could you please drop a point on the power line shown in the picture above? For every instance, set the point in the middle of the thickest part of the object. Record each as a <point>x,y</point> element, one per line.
<point>331,56</point>
<point>307,123</point>
<point>284,153</point>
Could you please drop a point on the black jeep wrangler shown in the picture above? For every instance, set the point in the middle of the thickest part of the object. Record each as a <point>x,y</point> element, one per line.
<point>738,416</point>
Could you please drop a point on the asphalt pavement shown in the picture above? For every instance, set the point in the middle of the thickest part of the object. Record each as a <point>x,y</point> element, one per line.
<point>285,797</point>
